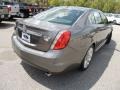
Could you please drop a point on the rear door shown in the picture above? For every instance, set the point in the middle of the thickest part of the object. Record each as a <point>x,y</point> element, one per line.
<point>100,28</point>
<point>107,27</point>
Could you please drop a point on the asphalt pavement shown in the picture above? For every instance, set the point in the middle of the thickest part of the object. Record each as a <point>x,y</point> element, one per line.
<point>103,74</point>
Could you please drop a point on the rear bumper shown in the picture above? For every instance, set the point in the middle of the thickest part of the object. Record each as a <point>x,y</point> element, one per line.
<point>46,61</point>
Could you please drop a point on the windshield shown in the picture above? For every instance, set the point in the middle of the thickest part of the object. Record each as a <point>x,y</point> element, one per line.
<point>8,3</point>
<point>108,14</point>
<point>23,4</point>
<point>117,16</point>
<point>60,16</point>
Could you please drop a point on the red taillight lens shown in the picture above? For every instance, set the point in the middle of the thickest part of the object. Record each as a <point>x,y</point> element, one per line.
<point>30,10</point>
<point>9,8</point>
<point>62,41</point>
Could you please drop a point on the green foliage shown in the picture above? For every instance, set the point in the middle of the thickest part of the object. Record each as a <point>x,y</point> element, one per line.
<point>109,6</point>
<point>104,5</point>
<point>54,2</point>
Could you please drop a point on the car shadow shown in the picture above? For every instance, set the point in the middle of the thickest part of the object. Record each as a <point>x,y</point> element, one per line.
<point>75,80</point>
<point>11,20</point>
<point>5,25</point>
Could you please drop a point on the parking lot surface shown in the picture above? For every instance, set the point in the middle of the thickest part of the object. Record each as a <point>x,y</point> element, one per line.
<point>103,74</point>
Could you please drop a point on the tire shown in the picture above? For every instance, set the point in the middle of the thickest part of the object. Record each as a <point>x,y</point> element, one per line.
<point>0,21</point>
<point>11,18</point>
<point>22,15</point>
<point>109,38</point>
<point>26,15</point>
<point>115,22</point>
<point>87,59</point>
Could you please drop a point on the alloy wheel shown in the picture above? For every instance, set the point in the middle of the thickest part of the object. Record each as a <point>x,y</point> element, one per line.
<point>88,57</point>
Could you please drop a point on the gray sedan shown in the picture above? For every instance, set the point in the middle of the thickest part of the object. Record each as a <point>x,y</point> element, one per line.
<point>61,38</point>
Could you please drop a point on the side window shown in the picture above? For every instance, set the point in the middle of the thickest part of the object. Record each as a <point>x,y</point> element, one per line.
<point>98,18</point>
<point>91,19</point>
<point>104,18</point>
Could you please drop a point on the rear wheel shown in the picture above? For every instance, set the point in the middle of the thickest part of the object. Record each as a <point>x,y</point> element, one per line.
<point>22,15</point>
<point>87,59</point>
<point>11,18</point>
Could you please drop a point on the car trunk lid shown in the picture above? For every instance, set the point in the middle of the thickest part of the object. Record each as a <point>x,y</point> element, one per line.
<point>41,34</point>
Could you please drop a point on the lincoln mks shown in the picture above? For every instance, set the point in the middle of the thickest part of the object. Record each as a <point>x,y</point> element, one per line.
<point>61,38</point>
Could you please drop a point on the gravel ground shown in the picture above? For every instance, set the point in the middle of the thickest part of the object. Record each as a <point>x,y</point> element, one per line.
<point>103,74</point>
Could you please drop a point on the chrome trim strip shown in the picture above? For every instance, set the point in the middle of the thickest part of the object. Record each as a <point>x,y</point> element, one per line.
<point>26,42</point>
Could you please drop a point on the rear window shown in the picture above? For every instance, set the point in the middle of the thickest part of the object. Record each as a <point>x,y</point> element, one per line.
<point>23,4</point>
<point>98,18</point>
<point>60,16</point>
<point>8,3</point>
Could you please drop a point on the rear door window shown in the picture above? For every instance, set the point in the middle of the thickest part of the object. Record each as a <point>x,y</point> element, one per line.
<point>98,18</point>
<point>8,3</point>
<point>91,19</point>
<point>104,18</point>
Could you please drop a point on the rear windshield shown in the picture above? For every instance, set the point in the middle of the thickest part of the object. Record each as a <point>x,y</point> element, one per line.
<point>60,16</point>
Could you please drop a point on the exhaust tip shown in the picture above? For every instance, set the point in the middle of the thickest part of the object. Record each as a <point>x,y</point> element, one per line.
<point>48,74</point>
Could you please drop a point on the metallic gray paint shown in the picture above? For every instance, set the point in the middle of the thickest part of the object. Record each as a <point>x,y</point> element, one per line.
<point>83,36</point>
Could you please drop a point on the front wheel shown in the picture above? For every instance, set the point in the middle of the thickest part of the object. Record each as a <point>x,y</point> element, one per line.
<point>87,59</point>
<point>0,21</point>
<point>114,21</point>
<point>109,38</point>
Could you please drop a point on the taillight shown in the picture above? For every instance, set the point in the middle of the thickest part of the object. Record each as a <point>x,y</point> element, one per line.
<point>30,10</point>
<point>62,40</point>
<point>9,8</point>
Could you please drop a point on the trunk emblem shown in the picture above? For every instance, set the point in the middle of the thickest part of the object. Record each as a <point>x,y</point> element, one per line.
<point>24,28</point>
<point>46,38</point>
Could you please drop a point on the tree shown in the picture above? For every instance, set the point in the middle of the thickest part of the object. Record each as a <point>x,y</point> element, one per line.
<point>117,7</point>
<point>104,5</point>
<point>54,2</point>
<point>109,6</point>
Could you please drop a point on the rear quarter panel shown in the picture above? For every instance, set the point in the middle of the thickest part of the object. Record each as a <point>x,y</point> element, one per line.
<point>80,42</point>
<point>81,38</point>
